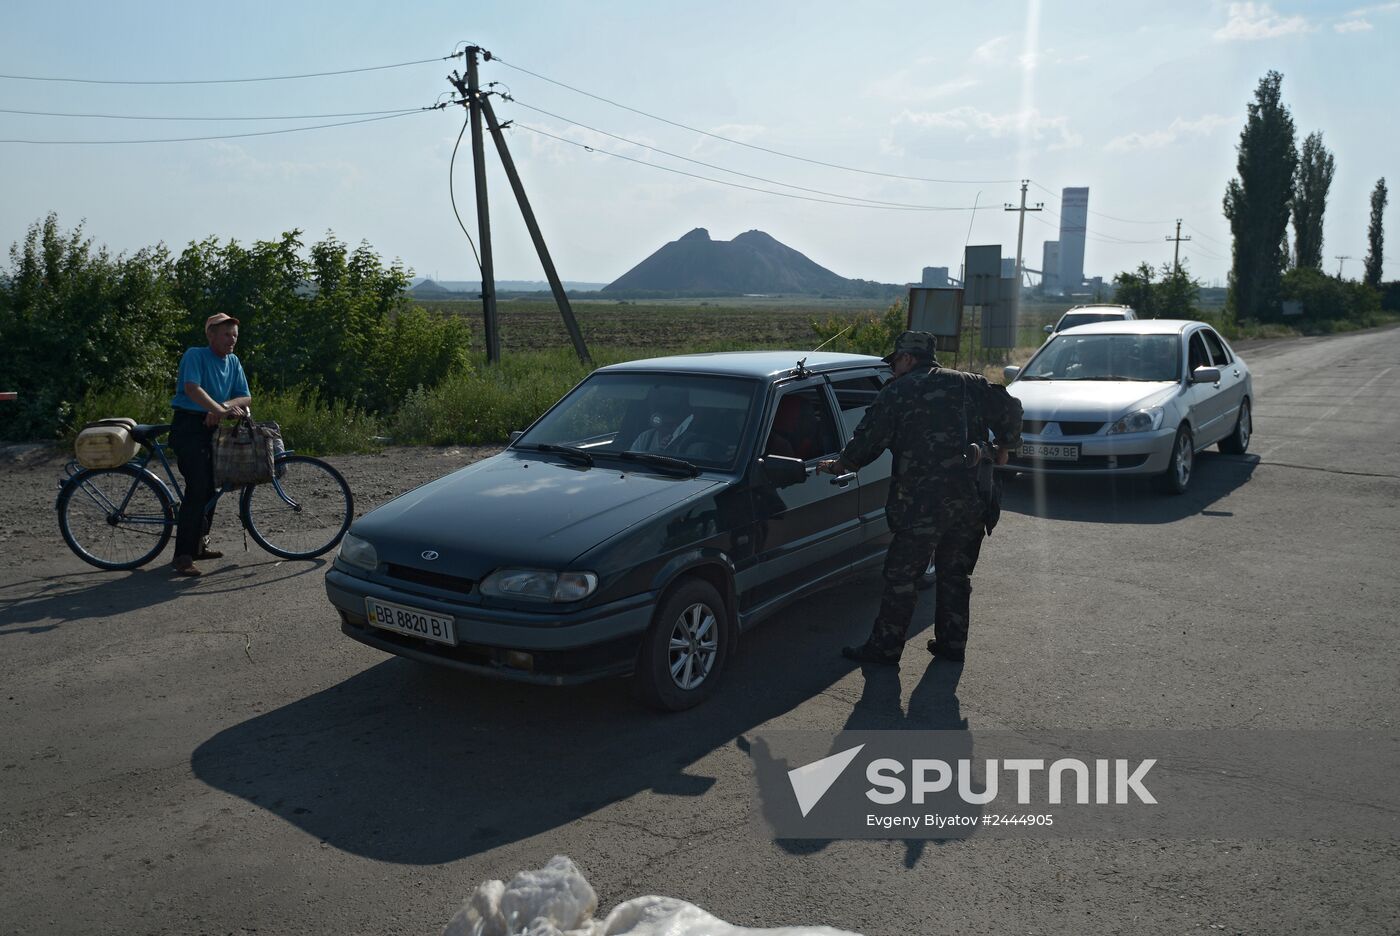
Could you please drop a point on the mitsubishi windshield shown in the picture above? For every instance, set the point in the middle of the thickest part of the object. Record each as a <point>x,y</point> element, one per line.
<point>1107,357</point>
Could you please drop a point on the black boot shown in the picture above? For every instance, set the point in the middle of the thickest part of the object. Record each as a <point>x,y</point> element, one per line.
<point>865,653</point>
<point>945,653</point>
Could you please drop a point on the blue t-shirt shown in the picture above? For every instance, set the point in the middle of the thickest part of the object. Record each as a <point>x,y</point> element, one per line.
<point>220,377</point>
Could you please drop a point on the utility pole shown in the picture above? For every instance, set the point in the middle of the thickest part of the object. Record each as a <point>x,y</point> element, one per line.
<point>1176,251</point>
<point>561,298</point>
<point>472,97</point>
<point>471,91</point>
<point>1021,226</point>
<point>1341,262</point>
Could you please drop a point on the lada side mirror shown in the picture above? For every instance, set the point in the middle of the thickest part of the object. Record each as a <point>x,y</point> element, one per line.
<point>1205,375</point>
<point>515,434</point>
<point>783,471</point>
<point>1009,372</point>
<point>1049,329</point>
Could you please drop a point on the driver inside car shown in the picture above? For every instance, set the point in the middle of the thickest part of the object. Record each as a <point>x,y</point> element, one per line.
<point>671,423</point>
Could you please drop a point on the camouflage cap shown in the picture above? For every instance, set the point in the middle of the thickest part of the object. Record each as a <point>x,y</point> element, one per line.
<point>921,344</point>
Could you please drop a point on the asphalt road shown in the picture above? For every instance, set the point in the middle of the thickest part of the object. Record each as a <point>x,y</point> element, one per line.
<point>212,756</point>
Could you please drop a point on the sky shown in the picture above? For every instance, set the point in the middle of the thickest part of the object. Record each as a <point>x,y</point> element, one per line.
<point>1141,102</point>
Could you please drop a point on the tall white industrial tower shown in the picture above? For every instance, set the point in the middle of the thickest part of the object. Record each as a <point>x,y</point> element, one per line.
<point>1074,222</point>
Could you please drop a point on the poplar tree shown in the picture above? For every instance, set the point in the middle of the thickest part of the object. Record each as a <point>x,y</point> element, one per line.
<point>1376,235</point>
<point>1257,203</point>
<point>1310,185</point>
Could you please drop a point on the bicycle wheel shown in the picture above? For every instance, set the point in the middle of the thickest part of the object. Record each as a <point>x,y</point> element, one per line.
<point>301,513</point>
<point>115,518</point>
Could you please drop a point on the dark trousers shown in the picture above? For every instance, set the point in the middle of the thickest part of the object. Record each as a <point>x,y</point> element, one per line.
<point>954,543</point>
<point>193,443</point>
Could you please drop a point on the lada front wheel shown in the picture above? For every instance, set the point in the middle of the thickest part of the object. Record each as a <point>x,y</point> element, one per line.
<point>685,650</point>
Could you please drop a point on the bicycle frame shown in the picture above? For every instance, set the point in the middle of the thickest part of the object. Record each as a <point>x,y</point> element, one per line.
<point>157,450</point>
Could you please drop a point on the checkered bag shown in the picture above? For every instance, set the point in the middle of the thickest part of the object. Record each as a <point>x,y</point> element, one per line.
<point>245,452</point>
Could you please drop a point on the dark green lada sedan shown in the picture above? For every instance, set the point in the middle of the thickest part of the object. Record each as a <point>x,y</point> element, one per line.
<point>648,518</point>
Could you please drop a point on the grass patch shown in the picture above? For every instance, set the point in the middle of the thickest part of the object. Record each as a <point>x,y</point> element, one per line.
<point>312,426</point>
<point>482,405</point>
<point>309,424</point>
<point>145,405</point>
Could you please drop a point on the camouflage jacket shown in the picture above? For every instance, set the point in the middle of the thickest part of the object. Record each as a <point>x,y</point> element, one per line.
<point>925,419</point>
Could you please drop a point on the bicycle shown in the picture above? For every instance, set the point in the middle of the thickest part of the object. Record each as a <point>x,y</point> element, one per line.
<point>122,518</point>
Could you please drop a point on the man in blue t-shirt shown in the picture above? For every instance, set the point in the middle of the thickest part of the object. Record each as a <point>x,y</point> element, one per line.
<point>211,387</point>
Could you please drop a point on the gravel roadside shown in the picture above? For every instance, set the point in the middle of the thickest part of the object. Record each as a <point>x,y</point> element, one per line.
<point>29,527</point>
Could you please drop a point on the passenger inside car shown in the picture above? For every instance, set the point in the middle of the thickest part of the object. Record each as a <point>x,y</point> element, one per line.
<point>799,431</point>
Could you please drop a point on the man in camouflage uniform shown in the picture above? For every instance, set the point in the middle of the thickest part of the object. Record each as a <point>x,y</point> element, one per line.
<point>926,417</point>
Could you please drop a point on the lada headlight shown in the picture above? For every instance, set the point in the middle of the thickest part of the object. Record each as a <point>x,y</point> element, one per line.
<point>1147,420</point>
<point>539,585</point>
<point>358,553</point>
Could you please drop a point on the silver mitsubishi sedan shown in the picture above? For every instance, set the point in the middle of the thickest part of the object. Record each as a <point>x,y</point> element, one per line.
<point>1131,398</point>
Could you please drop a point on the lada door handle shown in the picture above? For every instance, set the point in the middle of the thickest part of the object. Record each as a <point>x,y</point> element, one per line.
<point>843,480</point>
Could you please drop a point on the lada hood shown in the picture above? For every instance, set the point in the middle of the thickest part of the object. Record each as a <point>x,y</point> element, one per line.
<point>1088,400</point>
<point>518,510</point>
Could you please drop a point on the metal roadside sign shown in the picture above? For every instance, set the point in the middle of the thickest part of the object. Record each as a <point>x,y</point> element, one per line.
<point>938,310</point>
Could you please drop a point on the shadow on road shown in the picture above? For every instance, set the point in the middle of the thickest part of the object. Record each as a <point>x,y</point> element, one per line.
<point>1129,500</point>
<point>933,706</point>
<point>34,606</point>
<point>409,763</point>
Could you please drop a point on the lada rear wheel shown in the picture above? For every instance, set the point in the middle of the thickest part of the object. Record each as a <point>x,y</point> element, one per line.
<point>685,650</point>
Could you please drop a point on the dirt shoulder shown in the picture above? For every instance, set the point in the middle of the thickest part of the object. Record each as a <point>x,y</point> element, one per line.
<point>32,472</point>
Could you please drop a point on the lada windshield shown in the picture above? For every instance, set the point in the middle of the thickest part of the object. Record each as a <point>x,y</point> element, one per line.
<point>1107,357</point>
<point>696,418</point>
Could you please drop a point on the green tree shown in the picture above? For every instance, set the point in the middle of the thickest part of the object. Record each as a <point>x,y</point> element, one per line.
<point>1375,235</point>
<point>1136,288</point>
<point>325,318</point>
<point>864,333</point>
<point>1327,299</point>
<point>73,317</point>
<point>1175,295</point>
<point>1312,179</point>
<point>1257,203</point>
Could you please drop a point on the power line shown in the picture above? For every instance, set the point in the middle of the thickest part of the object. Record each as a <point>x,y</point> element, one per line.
<point>700,162</point>
<point>1205,235</point>
<point>1201,251</point>
<point>223,136</point>
<point>749,188</point>
<point>452,193</point>
<point>205,81</point>
<point>752,146</point>
<point>400,110</point>
<point>1093,235</point>
<point>1053,194</point>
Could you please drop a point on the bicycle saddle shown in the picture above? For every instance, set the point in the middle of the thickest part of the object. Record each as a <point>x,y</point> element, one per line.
<point>146,434</point>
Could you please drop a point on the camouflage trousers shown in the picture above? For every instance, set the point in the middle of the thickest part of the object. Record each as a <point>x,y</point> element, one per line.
<point>954,544</point>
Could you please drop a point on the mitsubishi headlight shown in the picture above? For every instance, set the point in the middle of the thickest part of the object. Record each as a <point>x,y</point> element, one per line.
<point>358,553</point>
<point>1146,420</point>
<point>539,585</point>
